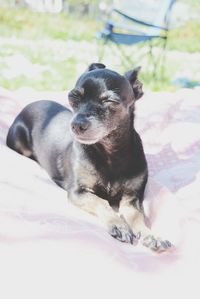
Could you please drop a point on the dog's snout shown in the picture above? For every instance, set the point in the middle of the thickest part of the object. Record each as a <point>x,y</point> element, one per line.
<point>79,126</point>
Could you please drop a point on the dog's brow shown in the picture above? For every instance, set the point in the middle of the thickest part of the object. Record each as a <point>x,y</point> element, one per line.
<point>77,92</point>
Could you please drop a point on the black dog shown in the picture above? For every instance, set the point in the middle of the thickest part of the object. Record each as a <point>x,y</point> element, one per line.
<point>93,152</point>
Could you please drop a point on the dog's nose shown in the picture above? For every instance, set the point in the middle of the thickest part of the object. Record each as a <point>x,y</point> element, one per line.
<point>80,126</point>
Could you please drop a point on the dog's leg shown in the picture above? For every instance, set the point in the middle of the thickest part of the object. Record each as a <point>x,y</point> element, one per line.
<point>135,218</point>
<point>116,226</point>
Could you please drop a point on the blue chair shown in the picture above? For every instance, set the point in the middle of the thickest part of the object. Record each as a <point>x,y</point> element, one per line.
<point>139,21</point>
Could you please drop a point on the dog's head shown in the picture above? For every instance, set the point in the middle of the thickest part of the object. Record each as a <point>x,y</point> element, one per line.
<point>100,101</point>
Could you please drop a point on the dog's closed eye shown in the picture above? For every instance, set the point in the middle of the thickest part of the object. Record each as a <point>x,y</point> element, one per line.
<point>110,97</point>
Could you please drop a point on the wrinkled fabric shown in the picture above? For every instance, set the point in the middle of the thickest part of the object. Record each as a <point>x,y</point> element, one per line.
<point>51,249</point>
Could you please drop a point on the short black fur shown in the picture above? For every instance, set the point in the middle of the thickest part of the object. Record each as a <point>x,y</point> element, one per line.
<point>93,151</point>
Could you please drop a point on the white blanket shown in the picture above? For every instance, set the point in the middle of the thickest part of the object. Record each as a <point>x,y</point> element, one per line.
<point>51,249</point>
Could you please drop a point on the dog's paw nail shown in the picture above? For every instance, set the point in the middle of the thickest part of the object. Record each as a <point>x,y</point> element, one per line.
<point>169,244</point>
<point>156,244</point>
<point>119,234</point>
<point>122,234</point>
<point>114,232</point>
<point>129,238</point>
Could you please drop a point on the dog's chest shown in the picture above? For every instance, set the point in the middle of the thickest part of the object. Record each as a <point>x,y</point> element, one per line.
<point>85,175</point>
<point>111,189</point>
<point>92,180</point>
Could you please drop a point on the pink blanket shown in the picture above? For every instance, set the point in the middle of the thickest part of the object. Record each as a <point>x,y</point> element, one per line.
<point>51,249</point>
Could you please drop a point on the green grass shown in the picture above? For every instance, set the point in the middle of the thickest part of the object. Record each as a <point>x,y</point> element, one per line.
<point>23,23</point>
<point>185,38</point>
<point>56,77</point>
<point>65,45</point>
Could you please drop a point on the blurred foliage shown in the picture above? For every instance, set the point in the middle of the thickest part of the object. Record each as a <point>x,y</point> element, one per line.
<point>24,23</point>
<point>185,38</point>
<point>65,43</point>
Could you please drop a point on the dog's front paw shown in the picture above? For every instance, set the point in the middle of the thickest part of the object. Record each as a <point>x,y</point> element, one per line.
<point>122,232</point>
<point>156,244</point>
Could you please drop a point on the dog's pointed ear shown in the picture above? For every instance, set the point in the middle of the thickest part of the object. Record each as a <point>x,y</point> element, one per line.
<point>95,66</point>
<point>132,76</point>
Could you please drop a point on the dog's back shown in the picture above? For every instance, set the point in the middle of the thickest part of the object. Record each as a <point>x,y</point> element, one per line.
<point>41,132</point>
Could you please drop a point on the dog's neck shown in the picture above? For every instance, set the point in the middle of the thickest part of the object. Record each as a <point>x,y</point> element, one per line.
<point>119,139</point>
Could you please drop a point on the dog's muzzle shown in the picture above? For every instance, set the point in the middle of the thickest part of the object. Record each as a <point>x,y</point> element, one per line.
<point>87,130</point>
<point>80,125</point>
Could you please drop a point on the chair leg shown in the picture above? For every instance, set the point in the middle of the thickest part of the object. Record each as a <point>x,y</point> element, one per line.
<point>128,62</point>
<point>163,56</point>
<point>154,60</point>
<point>101,49</point>
<point>159,61</point>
